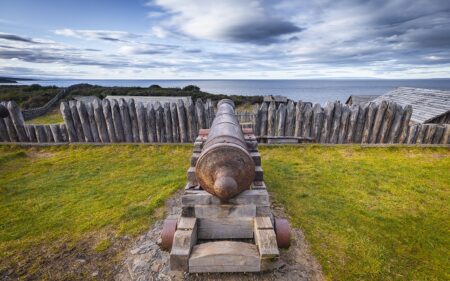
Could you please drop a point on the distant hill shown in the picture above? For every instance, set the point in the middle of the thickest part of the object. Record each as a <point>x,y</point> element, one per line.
<point>13,79</point>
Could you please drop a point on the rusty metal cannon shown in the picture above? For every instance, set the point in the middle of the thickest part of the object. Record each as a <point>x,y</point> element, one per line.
<point>225,167</point>
<point>226,224</point>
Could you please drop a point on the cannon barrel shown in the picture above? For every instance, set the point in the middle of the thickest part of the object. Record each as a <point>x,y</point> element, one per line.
<point>225,167</point>
<point>3,111</point>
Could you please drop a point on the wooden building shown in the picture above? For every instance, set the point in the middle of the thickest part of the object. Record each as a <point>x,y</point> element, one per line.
<point>360,99</point>
<point>429,106</point>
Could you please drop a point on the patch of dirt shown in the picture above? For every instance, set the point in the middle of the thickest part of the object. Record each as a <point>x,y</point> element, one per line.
<point>146,261</point>
<point>35,154</point>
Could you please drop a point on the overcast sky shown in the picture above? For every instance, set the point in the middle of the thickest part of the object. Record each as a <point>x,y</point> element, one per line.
<point>188,39</point>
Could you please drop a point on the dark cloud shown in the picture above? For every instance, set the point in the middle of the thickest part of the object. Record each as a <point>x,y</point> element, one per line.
<point>261,32</point>
<point>13,37</point>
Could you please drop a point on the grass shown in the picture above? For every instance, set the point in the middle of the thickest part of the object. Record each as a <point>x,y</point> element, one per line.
<point>62,198</point>
<point>368,213</point>
<point>52,117</point>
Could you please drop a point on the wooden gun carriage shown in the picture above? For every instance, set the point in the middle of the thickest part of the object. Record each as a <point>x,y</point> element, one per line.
<point>226,223</point>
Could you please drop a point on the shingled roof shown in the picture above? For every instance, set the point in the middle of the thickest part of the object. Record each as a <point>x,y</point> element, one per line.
<point>427,104</point>
<point>360,99</point>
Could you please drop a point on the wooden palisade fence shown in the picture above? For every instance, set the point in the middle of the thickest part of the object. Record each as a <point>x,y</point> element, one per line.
<point>112,121</point>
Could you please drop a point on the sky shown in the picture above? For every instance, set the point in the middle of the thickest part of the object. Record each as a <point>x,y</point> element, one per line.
<point>228,39</point>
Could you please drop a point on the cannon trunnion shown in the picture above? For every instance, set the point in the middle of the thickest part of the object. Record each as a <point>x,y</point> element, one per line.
<point>226,224</point>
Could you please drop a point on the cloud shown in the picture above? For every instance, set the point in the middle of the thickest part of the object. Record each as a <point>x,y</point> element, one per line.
<point>106,35</point>
<point>234,20</point>
<point>12,37</point>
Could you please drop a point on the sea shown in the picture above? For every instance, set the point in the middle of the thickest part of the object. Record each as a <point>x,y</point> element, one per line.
<point>316,91</point>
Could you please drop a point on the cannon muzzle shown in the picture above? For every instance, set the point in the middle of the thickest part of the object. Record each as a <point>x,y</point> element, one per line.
<point>225,167</point>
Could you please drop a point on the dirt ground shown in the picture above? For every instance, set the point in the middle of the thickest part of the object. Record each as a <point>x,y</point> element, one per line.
<point>146,261</point>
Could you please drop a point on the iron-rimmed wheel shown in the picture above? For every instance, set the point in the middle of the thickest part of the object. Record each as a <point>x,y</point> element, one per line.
<point>167,234</point>
<point>283,233</point>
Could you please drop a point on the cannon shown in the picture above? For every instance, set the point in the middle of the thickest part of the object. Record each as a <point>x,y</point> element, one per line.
<point>3,111</point>
<point>225,167</point>
<point>226,224</point>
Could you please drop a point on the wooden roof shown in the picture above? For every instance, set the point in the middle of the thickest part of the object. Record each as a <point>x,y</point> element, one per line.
<point>427,103</point>
<point>360,99</point>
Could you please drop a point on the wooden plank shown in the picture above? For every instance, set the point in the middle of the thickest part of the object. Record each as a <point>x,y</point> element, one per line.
<point>225,228</point>
<point>48,133</point>
<point>126,120</point>
<point>141,118</point>
<point>134,121</point>
<point>271,116</point>
<point>368,124</point>
<point>307,120</point>
<point>67,117</point>
<point>383,136</point>
<point>281,120</point>
<point>224,256</point>
<point>317,122</point>
<point>40,134</point>
<point>117,120</point>
<point>64,134</point>
<point>421,133</point>
<point>257,197</point>
<point>263,125</point>
<point>200,114</point>
<point>4,131</point>
<point>192,121</point>
<point>325,134</point>
<point>175,125</point>
<point>107,113</point>
<point>100,121</point>
<point>428,138</point>
<point>343,126</point>
<point>31,132</point>
<point>438,134</point>
<point>209,107</point>
<point>76,121</point>
<point>10,128</point>
<point>395,130</point>
<point>191,177</point>
<point>336,122</point>
<point>259,173</point>
<point>405,124</point>
<point>57,136</point>
<point>182,119</point>
<point>263,223</point>
<point>84,118</point>
<point>183,241</point>
<point>168,123</point>
<point>151,123</point>
<point>266,241</point>
<point>256,119</point>
<point>225,211</point>
<point>412,135</point>
<point>354,112</point>
<point>446,136</point>
<point>379,118</point>
<point>256,158</point>
<point>92,122</point>
<point>360,124</point>
<point>185,223</point>
<point>298,119</point>
<point>15,115</point>
<point>290,119</point>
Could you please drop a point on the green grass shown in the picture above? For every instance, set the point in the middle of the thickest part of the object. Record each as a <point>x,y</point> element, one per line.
<point>51,117</point>
<point>368,213</point>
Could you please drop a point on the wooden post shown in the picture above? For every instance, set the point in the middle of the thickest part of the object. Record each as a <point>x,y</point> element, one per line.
<point>422,133</point>
<point>84,118</point>
<point>192,121</point>
<point>271,116</point>
<point>307,120</point>
<point>428,138</point>
<point>141,116</point>
<point>413,132</point>
<point>67,116</point>
<point>211,113</point>
<point>151,124</point>
<point>160,130</point>
<point>57,137</point>
<point>318,116</point>
<point>386,123</point>
<point>336,122</point>
<point>107,112</point>
<point>374,136</point>
<point>298,119</point>
<point>76,120</point>
<point>175,123</point>
<point>183,122</point>
<point>10,126</point>
<point>281,113</point>
<point>168,122</point>
<point>256,120</point>
<point>40,134</point>
<point>4,131</point>
<point>17,119</point>
<point>200,114</point>
<point>395,129</point>
<point>48,133</point>
<point>360,123</point>
<point>126,120</point>
<point>438,134</point>
<point>446,136</point>
<point>355,109</point>
<point>64,134</point>
<point>343,126</point>
<point>328,113</point>
<point>31,132</point>
<point>370,118</point>
<point>92,122</point>
<point>117,119</point>
<point>405,123</point>
<point>290,119</point>
<point>134,122</point>
<point>100,121</point>
<point>263,124</point>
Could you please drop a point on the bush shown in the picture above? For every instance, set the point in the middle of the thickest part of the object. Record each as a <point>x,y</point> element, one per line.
<point>191,88</point>
<point>155,87</point>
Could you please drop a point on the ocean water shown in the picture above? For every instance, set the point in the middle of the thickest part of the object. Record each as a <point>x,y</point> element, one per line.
<point>316,91</point>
